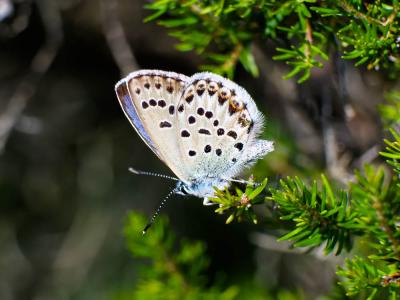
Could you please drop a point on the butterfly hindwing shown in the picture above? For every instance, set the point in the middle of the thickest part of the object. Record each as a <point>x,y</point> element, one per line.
<point>216,122</point>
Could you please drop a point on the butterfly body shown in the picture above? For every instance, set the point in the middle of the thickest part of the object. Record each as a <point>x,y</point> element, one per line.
<point>204,127</point>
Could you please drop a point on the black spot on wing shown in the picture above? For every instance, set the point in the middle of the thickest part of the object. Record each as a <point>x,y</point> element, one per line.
<point>212,88</point>
<point>165,124</point>
<point>232,134</point>
<point>189,98</point>
<point>200,87</point>
<point>200,92</point>
<point>185,133</point>
<point>161,103</point>
<point>204,131</point>
<point>191,120</point>
<point>145,104</point>
<point>239,146</point>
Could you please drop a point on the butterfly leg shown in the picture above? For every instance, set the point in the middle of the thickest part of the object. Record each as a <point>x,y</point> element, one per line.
<point>242,181</point>
<point>207,202</point>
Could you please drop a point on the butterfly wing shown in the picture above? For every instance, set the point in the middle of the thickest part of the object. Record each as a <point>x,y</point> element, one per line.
<point>218,124</point>
<point>149,100</point>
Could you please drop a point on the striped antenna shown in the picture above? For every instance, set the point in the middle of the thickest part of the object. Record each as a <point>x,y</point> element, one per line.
<point>158,210</point>
<point>137,172</point>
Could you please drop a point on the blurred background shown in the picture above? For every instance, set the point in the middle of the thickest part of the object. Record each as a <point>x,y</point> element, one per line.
<point>66,147</point>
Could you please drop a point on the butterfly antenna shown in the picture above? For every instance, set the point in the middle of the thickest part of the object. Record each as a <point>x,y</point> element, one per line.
<point>158,211</point>
<point>137,172</point>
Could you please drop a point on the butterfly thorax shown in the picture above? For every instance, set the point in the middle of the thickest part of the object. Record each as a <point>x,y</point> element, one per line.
<point>202,189</point>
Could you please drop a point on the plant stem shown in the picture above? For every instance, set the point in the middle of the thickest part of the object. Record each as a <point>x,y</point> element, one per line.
<point>309,39</point>
<point>235,54</point>
<point>351,10</point>
<point>386,227</point>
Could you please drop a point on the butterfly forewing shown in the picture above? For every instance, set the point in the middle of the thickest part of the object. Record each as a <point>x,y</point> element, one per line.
<point>149,99</point>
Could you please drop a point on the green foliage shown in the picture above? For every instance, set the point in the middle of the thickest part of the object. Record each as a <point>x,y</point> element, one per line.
<point>390,111</point>
<point>303,30</point>
<point>392,152</point>
<point>177,271</point>
<point>240,204</point>
<point>319,215</point>
<point>365,276</point>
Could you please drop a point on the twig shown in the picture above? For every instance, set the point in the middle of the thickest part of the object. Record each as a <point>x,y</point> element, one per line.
<point>39,65</point>
<point>116,37</point>
<point>335,165</point>
<point>309,39</point>
<point>351,10</point>
<point>234,57</point>
<point>395,243</point>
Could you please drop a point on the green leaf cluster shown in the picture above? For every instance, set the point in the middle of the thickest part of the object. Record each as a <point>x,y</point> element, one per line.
<point>367,214</point>
<point>319,215</point>
<point>240,203</point>
<point>177,268</point>
<point>364,276</point>
<point>390,111</point>
<point>303,31</point>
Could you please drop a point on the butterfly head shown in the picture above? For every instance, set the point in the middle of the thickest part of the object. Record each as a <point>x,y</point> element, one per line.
<point>201,189</point>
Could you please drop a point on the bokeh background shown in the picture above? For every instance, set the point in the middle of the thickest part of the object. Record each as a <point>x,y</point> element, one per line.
<point>66,147</point>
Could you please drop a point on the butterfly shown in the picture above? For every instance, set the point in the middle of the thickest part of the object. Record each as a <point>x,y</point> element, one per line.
<point>205,127</point>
